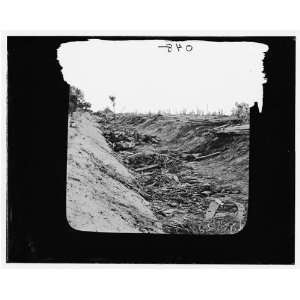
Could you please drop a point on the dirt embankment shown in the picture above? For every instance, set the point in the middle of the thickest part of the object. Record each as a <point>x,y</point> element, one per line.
<point>102,195</point>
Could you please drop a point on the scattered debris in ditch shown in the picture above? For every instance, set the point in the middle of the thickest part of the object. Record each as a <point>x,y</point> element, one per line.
<point>193,172</point>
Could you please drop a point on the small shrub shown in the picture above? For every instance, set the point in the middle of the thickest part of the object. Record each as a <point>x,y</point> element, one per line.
<point>77,100</point>
<point>241,111</point>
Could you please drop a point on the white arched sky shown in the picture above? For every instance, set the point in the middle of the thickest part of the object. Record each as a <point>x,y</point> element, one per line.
<point>145,77</point>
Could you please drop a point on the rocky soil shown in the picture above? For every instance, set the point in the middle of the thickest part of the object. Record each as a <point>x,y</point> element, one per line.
<point>180,174</point>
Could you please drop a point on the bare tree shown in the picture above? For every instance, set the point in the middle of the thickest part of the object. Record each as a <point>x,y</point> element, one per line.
<point>113,101</point>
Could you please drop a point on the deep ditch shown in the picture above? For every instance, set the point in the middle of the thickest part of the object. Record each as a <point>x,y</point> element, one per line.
<point>193,171</point>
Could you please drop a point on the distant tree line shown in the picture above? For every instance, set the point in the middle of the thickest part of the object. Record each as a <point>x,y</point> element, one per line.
<point>241,110</point>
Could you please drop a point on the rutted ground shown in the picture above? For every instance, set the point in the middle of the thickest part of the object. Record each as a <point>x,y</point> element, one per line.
<point>171,174</point>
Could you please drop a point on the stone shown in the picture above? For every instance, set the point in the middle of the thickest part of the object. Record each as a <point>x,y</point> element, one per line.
<point>206,193</point>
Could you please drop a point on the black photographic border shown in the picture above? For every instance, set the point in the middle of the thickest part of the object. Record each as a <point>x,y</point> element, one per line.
<point>37,228</point>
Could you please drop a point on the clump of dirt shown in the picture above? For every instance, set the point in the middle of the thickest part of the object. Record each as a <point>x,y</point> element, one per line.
<point>192,170</point>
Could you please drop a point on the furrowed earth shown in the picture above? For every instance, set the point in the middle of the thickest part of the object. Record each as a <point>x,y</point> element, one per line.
<point>179,174</point>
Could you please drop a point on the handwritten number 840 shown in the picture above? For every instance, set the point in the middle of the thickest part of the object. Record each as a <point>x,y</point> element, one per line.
<point>178,46</point>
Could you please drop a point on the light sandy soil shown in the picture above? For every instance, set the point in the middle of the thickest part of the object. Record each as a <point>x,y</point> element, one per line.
<point>102,195</point>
